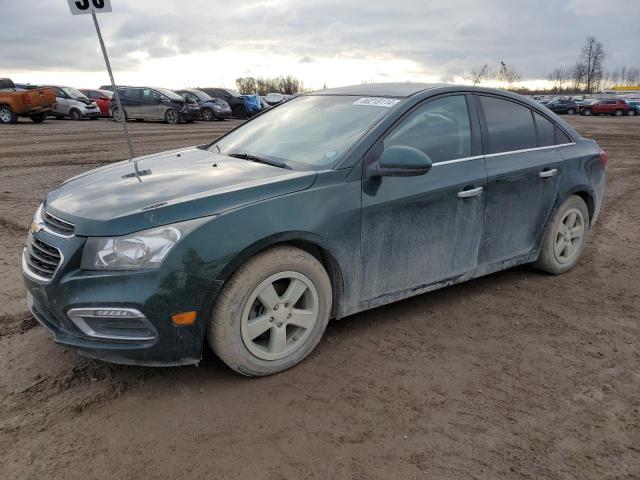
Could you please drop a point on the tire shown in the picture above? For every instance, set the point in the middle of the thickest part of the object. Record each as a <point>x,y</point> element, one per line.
<point>6,115</point>
<point>631,113</point>
<point>171,116</point>
<point>571,111</point>
<point>240,112</point>
<point>282,343</point>
<point>560,248</point>
<point>586,112</point>
<point>115,115</point>
<point>207,114</point>
<point>38,117</point>
<point>618,113</point>
<point>75,114</point>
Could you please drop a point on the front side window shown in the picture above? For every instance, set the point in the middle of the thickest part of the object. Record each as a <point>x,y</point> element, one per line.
<point>307,133</point>
<point>439,128</point>
<point>509,124</point>
<point>149,95</point>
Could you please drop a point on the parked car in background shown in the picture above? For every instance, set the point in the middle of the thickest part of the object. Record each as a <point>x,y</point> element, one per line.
<point>274,98</point>
<point>255,241</point>
<point>210,108</point>
<point>606,107</point>
<point>73,104</point>
<point>565,106</point>
<point>102,99</point>
<point>233,98</point>
<point>34,103</point>
<point>154,103</point>
<point>634,107</point>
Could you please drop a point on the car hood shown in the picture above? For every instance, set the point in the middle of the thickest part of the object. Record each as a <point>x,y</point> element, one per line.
<point>171,186</point>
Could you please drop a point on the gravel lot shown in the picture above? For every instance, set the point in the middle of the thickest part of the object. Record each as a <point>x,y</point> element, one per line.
<point>515,375</point>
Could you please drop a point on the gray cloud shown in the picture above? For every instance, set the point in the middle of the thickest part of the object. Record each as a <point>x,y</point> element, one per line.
<point>444,39</point>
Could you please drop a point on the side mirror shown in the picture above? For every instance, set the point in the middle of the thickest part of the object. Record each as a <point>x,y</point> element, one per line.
<point>400,161</point>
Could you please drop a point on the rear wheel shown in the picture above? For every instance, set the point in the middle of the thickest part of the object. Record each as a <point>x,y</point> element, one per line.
<point>38,117</point>
<point>271,313</point>
<point>565,237</point>
<point>172,116</point>
<point>618,113</point>
<point>571,111</point>
<point>587,112</point>
<point>7,115</point>
<point>75,114</point>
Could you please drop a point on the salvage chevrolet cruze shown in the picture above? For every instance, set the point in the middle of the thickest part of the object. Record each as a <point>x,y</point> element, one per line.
<point>329,204</point>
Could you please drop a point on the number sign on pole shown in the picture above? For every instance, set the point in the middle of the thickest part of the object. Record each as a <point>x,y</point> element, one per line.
<point>82,7</point>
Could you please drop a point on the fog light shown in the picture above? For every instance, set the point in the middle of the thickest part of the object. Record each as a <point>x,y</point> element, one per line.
<point>112,323</point>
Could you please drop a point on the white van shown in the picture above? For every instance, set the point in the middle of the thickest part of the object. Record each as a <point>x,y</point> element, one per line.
<point>74,104</point>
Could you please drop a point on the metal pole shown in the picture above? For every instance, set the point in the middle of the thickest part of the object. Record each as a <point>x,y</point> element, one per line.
<point>115,90</point>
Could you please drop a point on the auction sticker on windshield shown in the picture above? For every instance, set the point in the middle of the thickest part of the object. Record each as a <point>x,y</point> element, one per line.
<point>377,102</point>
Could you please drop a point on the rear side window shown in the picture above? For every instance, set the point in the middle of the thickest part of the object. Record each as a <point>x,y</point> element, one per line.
<point>546,131</point>
<point>561,137</point>
<point>510,125</point>
<point>440,128</point>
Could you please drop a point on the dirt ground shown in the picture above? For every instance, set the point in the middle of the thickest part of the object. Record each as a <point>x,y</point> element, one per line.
<point>516,375</point>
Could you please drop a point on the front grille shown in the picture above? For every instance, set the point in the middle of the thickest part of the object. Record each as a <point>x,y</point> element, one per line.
<point>58,226</point>
<point>42,259</point>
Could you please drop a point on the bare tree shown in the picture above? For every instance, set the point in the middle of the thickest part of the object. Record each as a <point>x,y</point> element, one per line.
<point>508,74</point>
<point>559,76</point>
<point>590,64</point>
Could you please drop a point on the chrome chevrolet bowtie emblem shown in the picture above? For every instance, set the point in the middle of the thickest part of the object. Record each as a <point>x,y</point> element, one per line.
<point>35,227</point>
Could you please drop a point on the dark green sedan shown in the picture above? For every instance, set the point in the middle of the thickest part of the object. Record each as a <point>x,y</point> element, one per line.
<point>327,205</point>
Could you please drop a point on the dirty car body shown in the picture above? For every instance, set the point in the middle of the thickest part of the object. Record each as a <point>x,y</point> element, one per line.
<point>500,166</point>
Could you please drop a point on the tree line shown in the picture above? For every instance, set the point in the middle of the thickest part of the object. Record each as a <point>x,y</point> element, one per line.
<point>287,85</point>
<point>588,75</point>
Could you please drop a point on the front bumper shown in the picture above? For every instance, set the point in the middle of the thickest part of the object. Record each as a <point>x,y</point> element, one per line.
<point>157,294</point>
<point>190,114</point>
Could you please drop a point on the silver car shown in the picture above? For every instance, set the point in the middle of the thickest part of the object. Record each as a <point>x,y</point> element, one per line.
<point>74,104</point>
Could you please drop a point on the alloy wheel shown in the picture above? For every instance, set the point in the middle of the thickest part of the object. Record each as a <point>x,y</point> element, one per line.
<point>569,235</point>
<point>279,315</point>
<point>5,115</point>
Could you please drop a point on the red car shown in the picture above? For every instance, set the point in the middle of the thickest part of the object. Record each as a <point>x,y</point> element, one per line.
<point>102,99</point>
<point>606,107</point>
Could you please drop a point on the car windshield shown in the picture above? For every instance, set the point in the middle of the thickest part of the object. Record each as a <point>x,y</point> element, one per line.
<point>233,92</point>
<point>204,96</point>
<point>307,133</point>
<point>171,95</point>
<point>73,93</point>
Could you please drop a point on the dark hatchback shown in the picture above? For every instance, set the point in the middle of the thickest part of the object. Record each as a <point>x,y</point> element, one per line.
<point>564,106</point>
<point>210,108</point>
<point>330,204</point>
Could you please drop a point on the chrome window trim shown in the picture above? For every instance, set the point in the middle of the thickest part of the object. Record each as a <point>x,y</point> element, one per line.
<point>510,152</point>
<point>34,276</point>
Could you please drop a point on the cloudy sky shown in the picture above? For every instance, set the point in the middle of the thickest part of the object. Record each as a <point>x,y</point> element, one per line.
<point>211,43</point>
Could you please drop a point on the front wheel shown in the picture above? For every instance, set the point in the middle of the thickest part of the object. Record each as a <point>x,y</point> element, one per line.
<point>618,113</point>
<point>240,112</point>
<point>207,114</point>
<point>571,111</point>
<point>172,116</point>
<point>75,114</point>
<point>7,115</point>
<point>565,237</point>
<point>586,112</point>
<point>631,113</point>
<point>271,313</point>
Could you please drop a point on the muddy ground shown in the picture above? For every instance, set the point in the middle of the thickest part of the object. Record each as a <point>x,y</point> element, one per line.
<point>516,375</point>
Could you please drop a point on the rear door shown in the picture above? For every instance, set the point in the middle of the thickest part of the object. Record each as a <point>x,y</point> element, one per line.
<point>151,106</point>
<point>63,102</point>
<point>523,166</point>
<point>424,229</point>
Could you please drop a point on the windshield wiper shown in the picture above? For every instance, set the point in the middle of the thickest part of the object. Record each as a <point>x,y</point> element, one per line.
<point>255,158</point>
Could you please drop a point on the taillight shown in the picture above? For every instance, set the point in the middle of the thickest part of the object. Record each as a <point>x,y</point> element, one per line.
<point>604,158</point>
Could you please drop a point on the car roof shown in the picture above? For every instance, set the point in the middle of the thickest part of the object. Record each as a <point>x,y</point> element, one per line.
<point>401,90</point>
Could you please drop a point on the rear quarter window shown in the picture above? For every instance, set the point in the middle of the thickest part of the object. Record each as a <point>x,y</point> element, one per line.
<point>546,131</point>
<point>509,125</point>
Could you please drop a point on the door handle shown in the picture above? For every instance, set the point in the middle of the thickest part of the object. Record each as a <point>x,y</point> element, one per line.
<point>470,193</point>
<point>548,173</point>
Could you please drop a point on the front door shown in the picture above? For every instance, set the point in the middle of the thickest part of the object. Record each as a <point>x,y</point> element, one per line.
<point>522,173</point>
<point>421,230</point>
<point>151,106</point>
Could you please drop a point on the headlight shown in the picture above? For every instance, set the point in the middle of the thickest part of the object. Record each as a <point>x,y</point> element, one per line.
<point>136,251</point>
